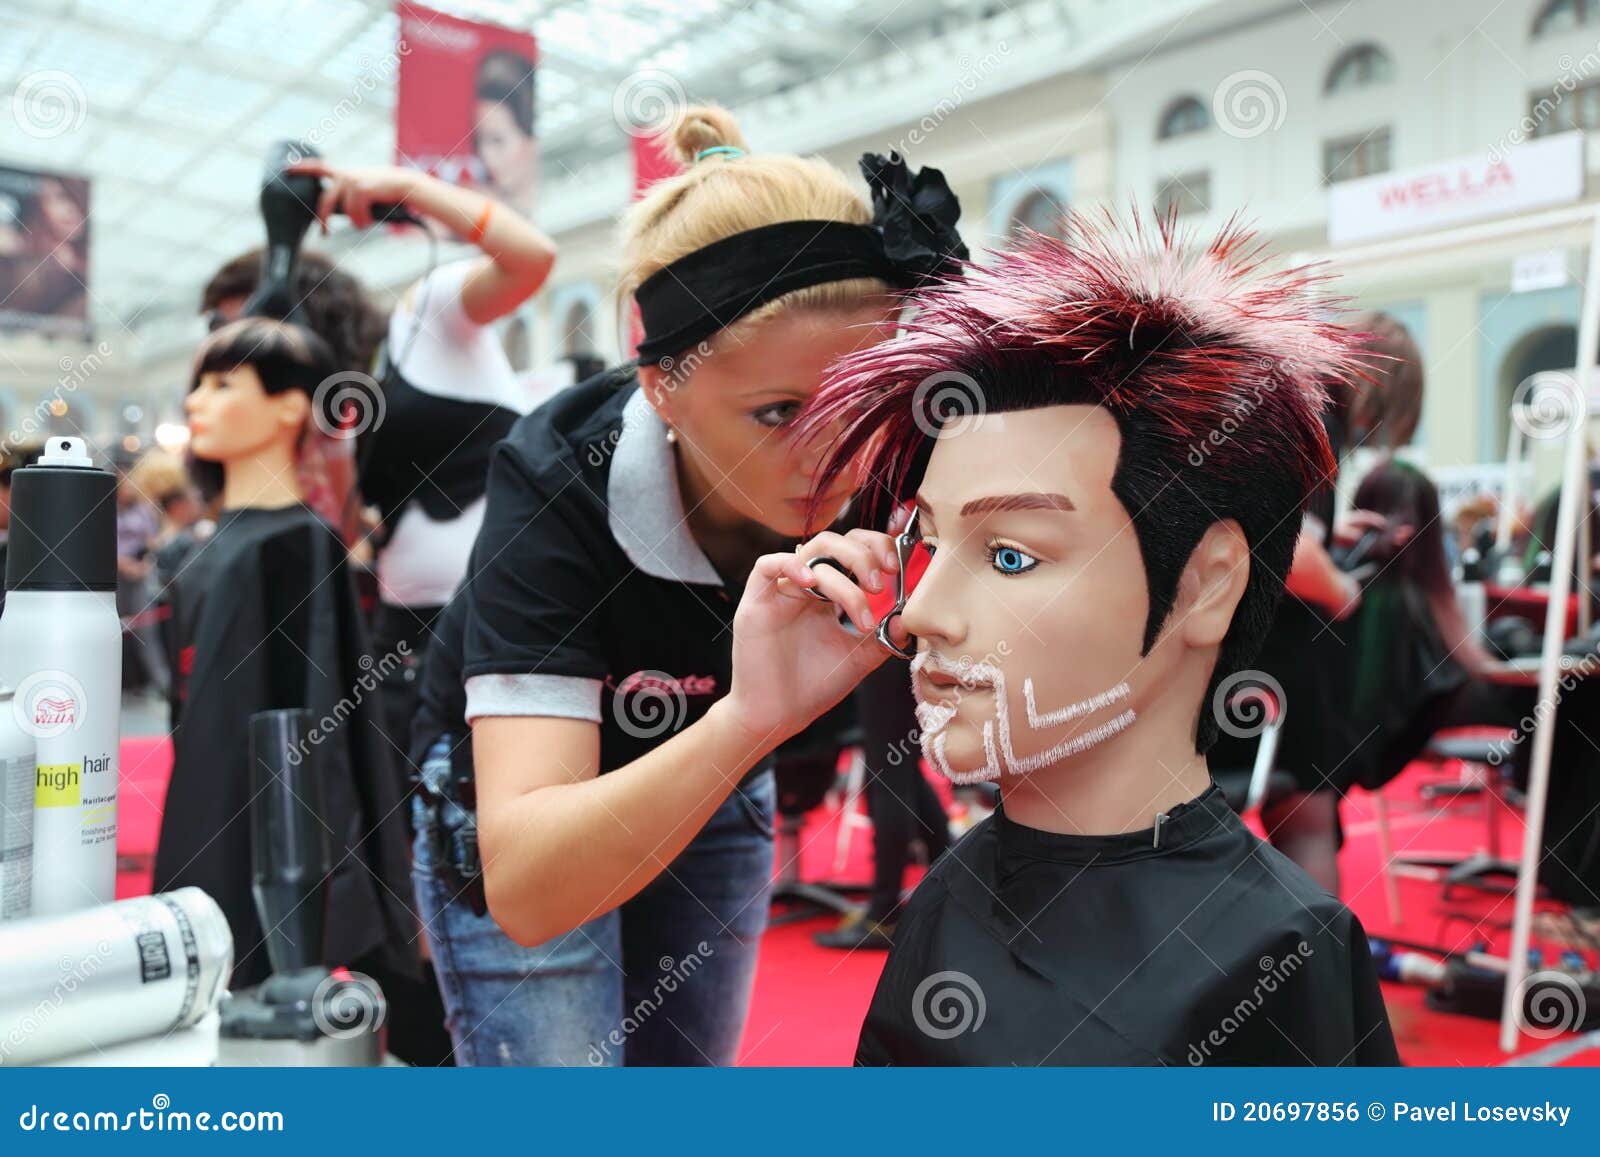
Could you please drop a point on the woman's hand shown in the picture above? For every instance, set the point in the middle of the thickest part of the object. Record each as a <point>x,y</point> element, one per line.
<point>792,658</point>
<point>1349,529</point>
<point>354,192</point>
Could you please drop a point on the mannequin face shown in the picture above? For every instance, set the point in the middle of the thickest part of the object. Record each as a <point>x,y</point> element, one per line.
<point>1031,616</point>
<point>231,417</point>
<point>734,409</point>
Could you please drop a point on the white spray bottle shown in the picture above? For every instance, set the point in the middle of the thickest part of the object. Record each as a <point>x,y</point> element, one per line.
<point>61,652</point>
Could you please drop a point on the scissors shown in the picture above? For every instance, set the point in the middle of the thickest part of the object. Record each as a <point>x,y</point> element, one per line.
<point>905,545</point>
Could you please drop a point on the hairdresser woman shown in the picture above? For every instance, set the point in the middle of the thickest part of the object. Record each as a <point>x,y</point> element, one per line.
<point>623,806</point>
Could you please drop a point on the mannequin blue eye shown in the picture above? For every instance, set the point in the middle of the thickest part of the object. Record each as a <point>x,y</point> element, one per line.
<point>1010,560</point>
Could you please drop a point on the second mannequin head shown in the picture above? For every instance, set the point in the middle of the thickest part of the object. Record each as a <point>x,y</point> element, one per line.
<point>251,396</point>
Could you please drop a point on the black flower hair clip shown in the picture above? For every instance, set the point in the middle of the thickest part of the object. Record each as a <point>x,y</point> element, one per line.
<point>917,214</point>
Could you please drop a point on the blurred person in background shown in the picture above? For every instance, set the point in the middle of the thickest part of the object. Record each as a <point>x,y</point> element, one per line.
<point>1419,666</point>
<point>331,303</point>
<point>186,524</point>
<point>164,483</point>
<point>1304,653</point>
<point>144,666</point>
<point>1387,408</point>
<point>449,394</point>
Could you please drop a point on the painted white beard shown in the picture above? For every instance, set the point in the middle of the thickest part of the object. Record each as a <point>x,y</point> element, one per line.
<point>999,756</point>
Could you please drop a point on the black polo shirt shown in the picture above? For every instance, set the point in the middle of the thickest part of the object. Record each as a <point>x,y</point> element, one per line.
<point>587,597</point>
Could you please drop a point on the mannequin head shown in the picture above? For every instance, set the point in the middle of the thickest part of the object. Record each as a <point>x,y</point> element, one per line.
<point>250,400</point>
<point>1110,439</point>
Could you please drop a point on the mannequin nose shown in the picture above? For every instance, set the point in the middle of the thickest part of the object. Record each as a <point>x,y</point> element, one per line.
<point>933,611</point>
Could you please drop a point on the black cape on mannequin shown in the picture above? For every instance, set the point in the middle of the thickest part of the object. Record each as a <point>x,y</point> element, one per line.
<point>1024,947</point>
<point>265,616</point>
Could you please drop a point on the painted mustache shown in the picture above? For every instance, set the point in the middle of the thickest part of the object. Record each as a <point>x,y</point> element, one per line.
<point>1000,757</point>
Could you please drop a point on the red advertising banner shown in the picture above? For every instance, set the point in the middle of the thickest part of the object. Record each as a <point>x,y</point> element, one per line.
<point>44,251</point>
<point>464,109</point>
<point>652,161</point>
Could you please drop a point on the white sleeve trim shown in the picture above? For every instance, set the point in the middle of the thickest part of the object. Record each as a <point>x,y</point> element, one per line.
<point>565,696</point>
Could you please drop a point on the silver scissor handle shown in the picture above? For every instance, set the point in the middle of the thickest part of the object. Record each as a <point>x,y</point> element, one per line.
<point>905,545</point>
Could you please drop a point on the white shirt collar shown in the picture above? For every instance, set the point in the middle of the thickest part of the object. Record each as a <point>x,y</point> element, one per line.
<point>645,507</point>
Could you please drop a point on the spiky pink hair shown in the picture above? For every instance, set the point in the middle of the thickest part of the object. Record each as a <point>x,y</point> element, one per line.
<point>1133,317</point>
<point>1179,342</point>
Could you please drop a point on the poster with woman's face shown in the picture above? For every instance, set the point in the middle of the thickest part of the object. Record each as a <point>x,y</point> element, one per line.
<point>44,251</point>
<point>464,110</point>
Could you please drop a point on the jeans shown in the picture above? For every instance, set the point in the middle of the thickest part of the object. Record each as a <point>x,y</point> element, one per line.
<point>663,980</point>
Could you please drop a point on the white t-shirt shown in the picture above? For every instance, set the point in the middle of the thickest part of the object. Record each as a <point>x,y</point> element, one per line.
<point>442,352</point>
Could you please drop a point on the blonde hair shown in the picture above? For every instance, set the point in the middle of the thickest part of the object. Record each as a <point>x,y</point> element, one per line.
<point>158,475</point>
<point>724,194</point>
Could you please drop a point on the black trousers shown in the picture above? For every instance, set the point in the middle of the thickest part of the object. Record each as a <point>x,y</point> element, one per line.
<point>900,801</point>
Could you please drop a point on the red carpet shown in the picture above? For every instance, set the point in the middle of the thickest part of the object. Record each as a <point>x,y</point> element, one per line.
<point>809,1001</point>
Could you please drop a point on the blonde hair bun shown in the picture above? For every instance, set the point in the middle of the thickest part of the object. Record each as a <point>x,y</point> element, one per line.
<point>705,126</point>
<point>725,195</point>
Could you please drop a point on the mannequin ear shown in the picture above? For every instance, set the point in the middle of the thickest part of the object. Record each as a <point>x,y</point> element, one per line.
<point>1212,584</point>
<point>293,409</point>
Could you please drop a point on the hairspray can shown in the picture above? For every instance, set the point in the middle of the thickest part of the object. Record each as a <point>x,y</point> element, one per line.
<point>61,654</point>
<point>16,813</point>
<point>119,972</point>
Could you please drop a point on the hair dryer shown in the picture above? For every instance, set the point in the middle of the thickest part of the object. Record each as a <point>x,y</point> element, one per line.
<point>288,207</point>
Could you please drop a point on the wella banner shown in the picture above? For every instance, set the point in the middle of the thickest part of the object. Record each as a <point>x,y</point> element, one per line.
<point>1536,173</point>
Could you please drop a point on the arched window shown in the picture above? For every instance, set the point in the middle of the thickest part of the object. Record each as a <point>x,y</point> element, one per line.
<point>578,327</point>
<point>1187,114</point>
<point>1040,212</point>
<point>1358,67</point>
<point>1558,16</point>
<point>518,344</point>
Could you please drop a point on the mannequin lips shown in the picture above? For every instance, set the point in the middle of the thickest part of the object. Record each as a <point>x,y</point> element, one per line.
<point>938,680</point>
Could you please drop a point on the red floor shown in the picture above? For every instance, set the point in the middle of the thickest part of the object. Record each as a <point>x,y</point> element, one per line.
<point>809,1001</point>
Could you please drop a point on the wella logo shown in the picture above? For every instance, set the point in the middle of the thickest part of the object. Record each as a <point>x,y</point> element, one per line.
<point>55,711</point>
<point>1464,183</point>
<point>49,703</point>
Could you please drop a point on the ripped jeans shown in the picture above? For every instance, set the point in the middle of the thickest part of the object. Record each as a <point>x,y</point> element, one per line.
<point>663,980</point>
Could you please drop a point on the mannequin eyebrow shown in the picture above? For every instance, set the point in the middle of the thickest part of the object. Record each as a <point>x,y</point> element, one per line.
<point>1034,500</point>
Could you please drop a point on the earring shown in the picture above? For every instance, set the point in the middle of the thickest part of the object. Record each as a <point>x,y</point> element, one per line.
<point>672,435</point>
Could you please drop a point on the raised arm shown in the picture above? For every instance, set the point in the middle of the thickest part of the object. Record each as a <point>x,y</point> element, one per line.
<point>517,257</point>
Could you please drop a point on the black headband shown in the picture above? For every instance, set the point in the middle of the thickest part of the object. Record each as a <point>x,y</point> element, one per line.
<point>912,239</point>
<point>711,288</point>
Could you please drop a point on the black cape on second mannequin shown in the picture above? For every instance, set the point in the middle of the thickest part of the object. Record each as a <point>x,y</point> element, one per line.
<point>1024,947</point>
<point>265,616</point>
